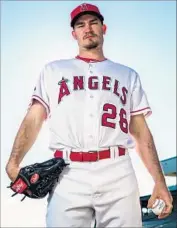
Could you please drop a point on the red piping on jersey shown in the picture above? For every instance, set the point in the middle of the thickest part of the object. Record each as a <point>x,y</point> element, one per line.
<point>40,99</point>
<point>89,60</point>
<point>140,110</point>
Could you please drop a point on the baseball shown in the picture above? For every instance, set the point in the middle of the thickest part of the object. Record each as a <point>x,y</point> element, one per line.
<point>158,206</point>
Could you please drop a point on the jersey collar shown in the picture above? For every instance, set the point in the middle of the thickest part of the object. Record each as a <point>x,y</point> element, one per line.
<point>89,60</point>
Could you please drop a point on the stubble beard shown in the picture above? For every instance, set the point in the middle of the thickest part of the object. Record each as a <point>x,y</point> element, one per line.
<point>91,45</point>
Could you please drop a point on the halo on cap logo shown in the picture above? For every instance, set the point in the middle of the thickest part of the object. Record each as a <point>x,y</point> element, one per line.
<point>34,178</point>
<point>84,7</point>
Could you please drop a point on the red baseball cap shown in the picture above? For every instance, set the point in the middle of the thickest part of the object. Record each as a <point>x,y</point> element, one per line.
<point>85,9</point>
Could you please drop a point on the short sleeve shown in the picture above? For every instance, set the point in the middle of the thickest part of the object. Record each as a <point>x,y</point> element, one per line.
<point>139,101</point>
<point>40,92</point>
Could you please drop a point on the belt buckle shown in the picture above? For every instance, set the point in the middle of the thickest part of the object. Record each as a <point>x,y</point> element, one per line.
<point>97,154</point>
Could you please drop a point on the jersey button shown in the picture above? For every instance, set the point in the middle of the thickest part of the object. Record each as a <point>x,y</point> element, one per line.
<point>91,115</point>
<point>91,96</point>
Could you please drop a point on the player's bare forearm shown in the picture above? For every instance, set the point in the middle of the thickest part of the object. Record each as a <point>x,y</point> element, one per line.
<point>146,147</point>
<point>149,156</point>
<point>24,140</point>
<point>26,135</point>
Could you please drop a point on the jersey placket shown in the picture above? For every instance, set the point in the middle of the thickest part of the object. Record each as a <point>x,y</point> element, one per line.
<point>90,115</point>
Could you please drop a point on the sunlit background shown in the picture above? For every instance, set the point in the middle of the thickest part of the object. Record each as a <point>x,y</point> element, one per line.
<point>141,35</point>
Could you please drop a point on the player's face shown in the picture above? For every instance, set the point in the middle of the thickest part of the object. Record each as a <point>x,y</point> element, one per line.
<point>89,31</point>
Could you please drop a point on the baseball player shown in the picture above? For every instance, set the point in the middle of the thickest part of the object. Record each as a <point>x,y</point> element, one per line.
<point>96,110</point>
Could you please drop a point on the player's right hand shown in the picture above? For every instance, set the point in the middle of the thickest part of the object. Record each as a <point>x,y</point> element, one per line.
<point>12,171</point>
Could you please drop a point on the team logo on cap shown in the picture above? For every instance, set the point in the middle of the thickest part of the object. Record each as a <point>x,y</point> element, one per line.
<point>84,7</point>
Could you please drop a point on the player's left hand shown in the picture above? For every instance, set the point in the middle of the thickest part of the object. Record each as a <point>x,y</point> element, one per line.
<point>161,191</point>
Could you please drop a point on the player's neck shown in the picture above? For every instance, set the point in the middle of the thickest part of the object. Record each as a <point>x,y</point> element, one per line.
<point>97,55</point>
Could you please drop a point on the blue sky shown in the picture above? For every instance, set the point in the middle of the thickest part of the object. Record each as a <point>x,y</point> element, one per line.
<point>141,35</point>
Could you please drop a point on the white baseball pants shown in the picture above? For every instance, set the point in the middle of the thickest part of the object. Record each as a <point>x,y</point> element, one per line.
<point>105,190</point>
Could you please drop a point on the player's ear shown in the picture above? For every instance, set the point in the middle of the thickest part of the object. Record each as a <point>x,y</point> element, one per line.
<point>104,27</point>
<point>74,35</point>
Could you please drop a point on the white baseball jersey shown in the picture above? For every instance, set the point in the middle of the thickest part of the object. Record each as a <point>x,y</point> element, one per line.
<point>89,103</point>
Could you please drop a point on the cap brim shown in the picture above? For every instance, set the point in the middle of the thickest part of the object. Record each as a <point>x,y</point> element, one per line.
<point>86,12</point>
